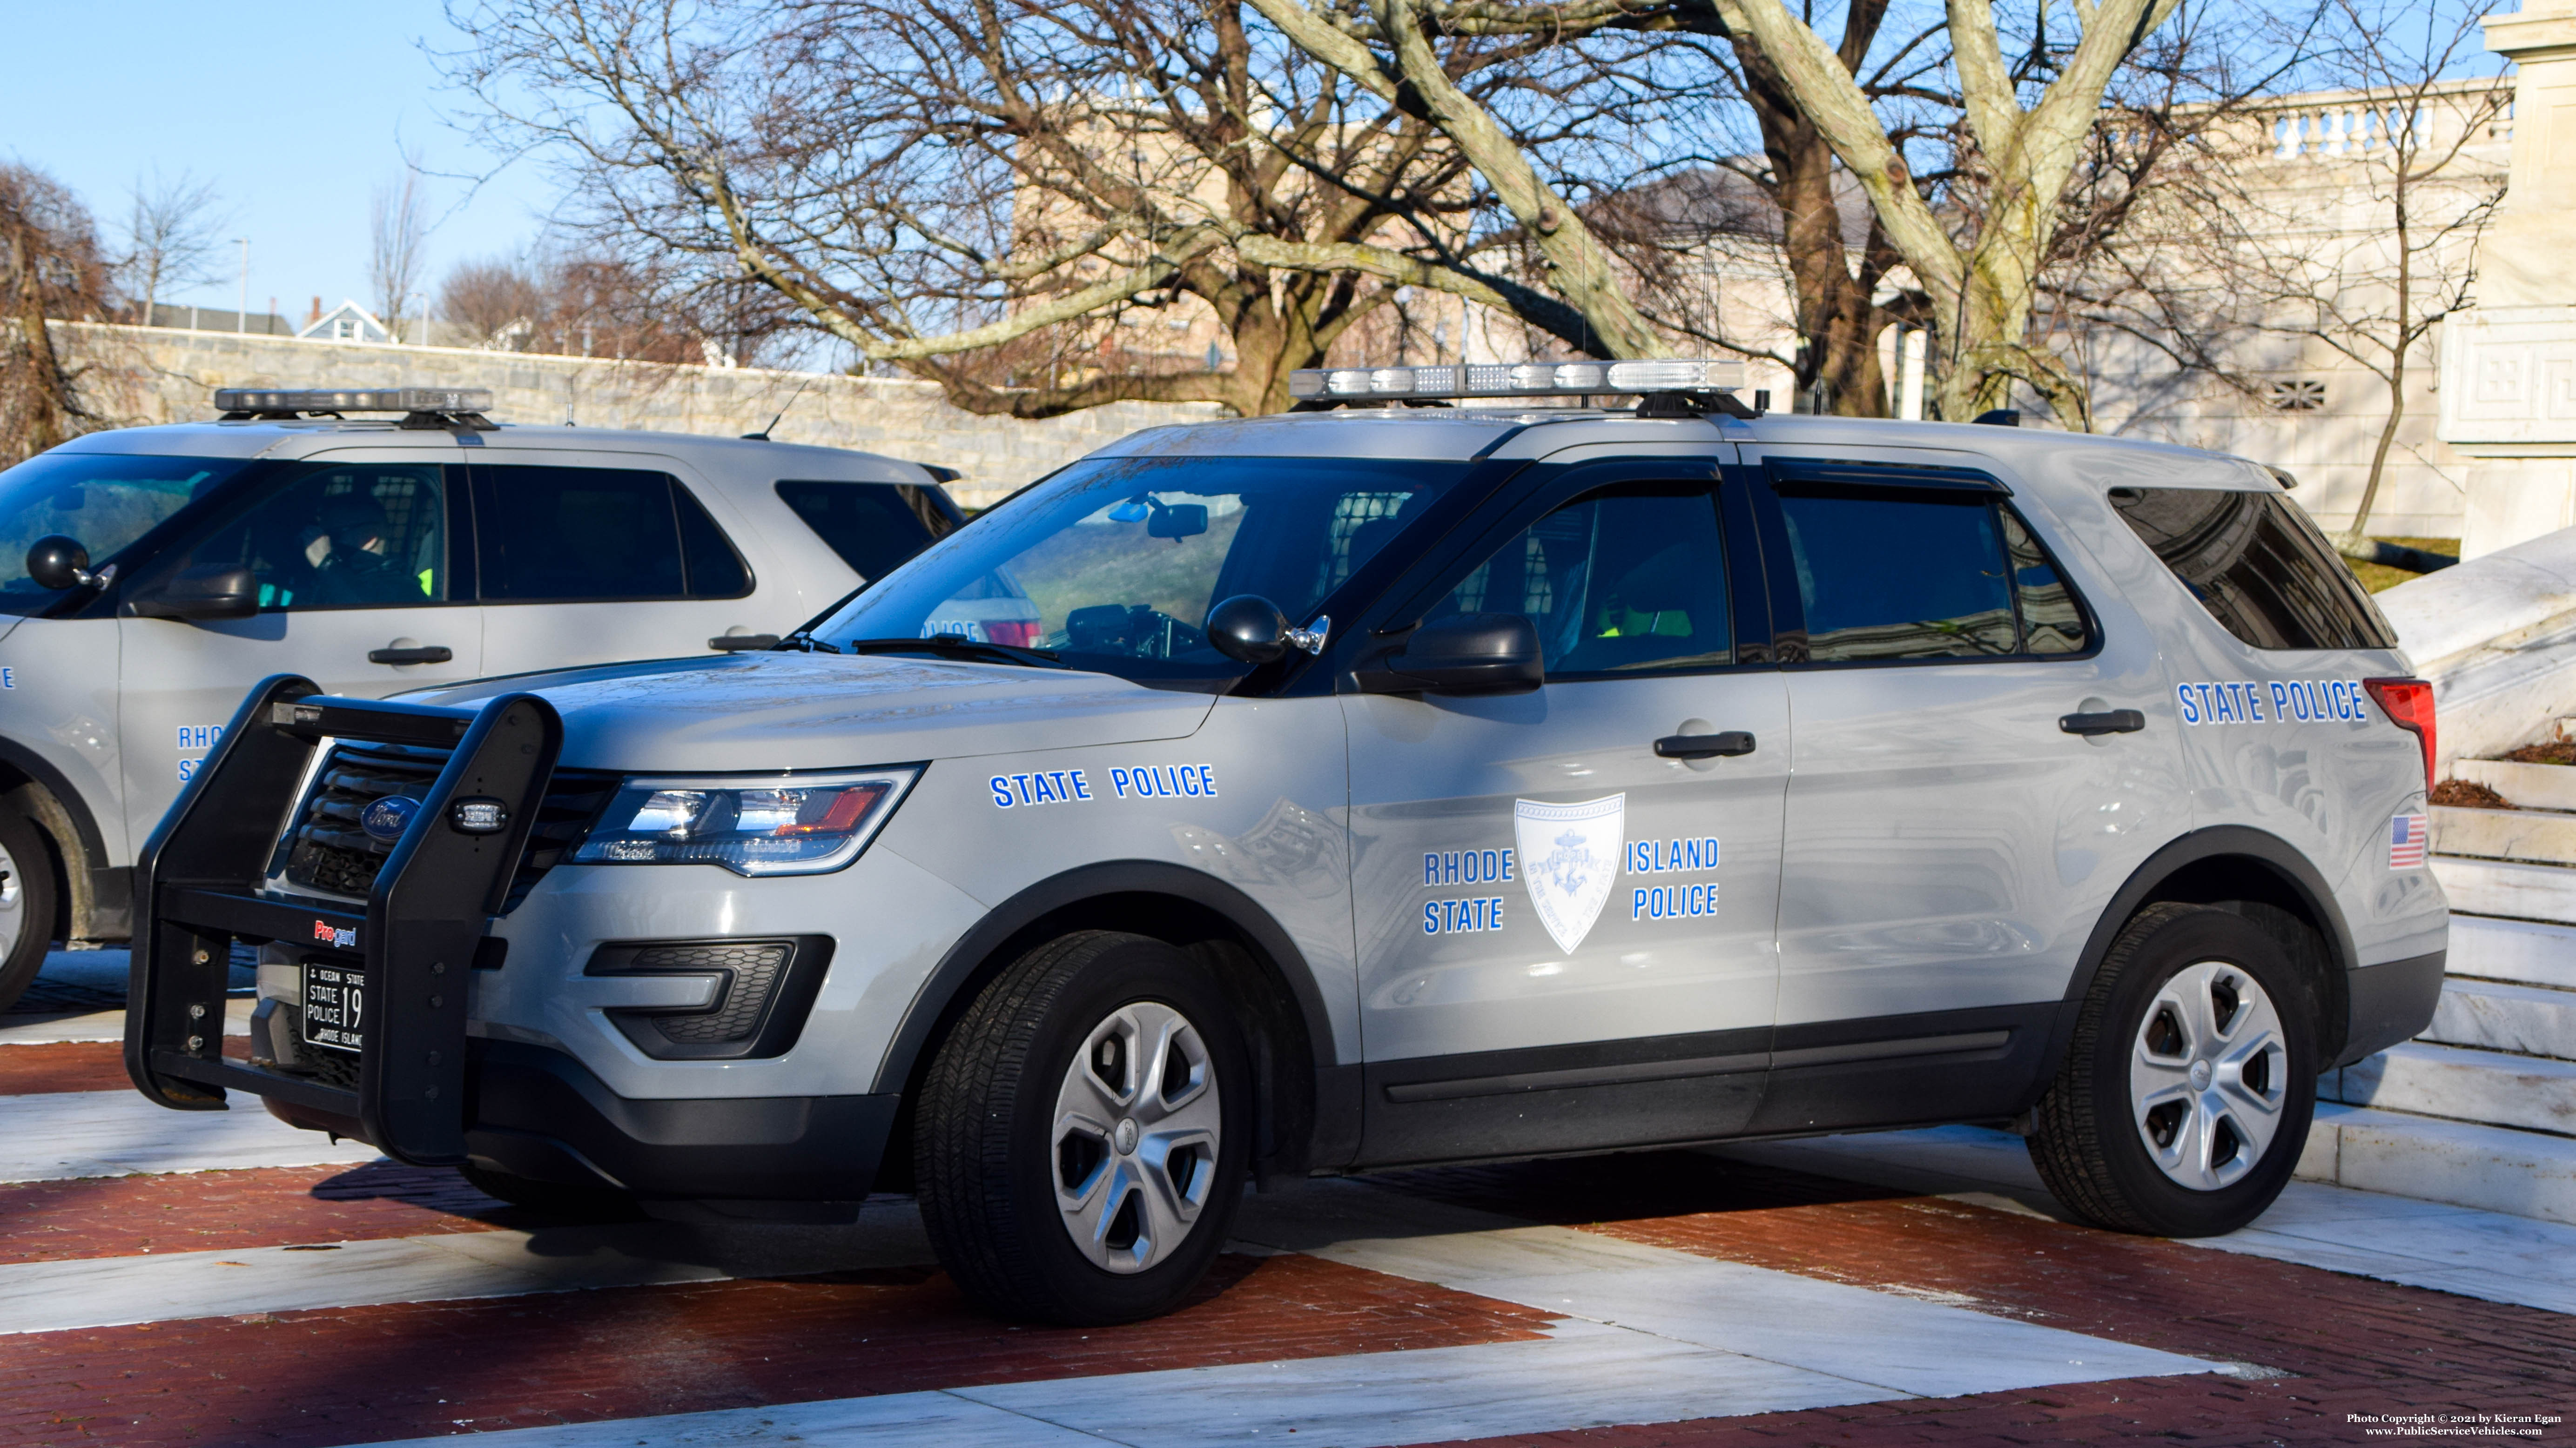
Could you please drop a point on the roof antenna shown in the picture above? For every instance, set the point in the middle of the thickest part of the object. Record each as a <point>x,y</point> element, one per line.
<point>763,434</point>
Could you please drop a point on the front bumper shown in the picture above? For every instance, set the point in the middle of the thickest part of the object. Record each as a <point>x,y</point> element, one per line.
<point>539,1113</point>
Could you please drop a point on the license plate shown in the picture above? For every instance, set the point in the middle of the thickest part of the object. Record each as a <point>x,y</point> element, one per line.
<point>331,1005</point>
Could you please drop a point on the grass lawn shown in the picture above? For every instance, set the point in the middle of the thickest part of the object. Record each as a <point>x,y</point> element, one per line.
<point>2376,576</point>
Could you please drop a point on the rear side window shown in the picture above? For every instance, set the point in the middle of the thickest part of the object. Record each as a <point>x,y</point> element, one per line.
<point>2259,565</point>
<point>1889,573</point>
<point>873,526</point>
<point>598,533</point>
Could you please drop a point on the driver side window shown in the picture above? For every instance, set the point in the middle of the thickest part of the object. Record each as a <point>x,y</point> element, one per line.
<point>341,535</point>
<point>1627,580</point>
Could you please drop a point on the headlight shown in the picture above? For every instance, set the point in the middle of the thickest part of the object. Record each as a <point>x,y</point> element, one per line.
<point>799,825</point>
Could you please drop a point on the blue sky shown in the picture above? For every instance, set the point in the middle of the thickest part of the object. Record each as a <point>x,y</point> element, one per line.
<point>295,110</point>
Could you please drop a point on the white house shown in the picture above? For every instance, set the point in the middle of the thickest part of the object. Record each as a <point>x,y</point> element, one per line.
<point>347,322</point>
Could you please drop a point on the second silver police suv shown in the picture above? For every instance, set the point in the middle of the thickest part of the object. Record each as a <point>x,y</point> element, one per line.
<point>1328,792</point>
<point>148,574</point>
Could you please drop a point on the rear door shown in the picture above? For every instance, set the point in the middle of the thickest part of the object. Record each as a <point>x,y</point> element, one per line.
<point>1565,939</point>
<point>581,563</point>
<point>365,588</point>
<point>1950,844</point>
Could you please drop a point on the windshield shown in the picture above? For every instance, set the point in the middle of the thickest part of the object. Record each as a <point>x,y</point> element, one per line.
<point>1114,563</point>
<point>105,500</point>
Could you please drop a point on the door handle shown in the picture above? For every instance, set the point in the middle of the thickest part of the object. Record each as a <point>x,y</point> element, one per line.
<point>2110,721</point>
<point>416,654</point>
<point>1703,746</point>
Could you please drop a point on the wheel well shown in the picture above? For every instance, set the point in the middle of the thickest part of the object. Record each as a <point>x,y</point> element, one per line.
<point>1283,1051</point>
<point>2257,889</point>
<point>37,805</point>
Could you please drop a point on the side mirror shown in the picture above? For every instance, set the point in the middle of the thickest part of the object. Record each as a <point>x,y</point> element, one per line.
<point>1468,653</point>
<point>1249,629</point>
<point>59,562</point>
<point>1176,521</point>
<point>205,592</point>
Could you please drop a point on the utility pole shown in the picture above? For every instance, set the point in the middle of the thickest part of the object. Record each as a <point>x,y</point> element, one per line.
<point>241,319</point>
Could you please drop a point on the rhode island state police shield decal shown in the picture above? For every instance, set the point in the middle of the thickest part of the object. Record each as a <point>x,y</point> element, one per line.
<point>1569,858</point>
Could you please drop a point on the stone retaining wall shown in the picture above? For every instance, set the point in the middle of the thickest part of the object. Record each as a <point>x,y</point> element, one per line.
<point>158,374</point>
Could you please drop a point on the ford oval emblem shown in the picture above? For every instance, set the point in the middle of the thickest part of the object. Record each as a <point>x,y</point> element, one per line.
<point>388,817</point>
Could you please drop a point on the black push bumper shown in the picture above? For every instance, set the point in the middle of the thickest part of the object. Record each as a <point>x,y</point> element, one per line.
<point>201,885</point>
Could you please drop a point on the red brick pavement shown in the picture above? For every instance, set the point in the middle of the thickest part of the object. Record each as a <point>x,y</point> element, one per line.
<point>2348,1344</point>
<point>227,1210</point>
<point>77,1066</point>
<point>367,1373</point>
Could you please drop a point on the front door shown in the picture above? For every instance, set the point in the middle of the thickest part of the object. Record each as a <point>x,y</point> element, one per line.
<point>357,563</point>
<point>1565,937</point>
<point>1950,843</point>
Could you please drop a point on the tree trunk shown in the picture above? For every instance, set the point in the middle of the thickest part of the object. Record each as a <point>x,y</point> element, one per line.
<point>2357,536</point>
<point>1838,318</point>
<point>1838,322</point>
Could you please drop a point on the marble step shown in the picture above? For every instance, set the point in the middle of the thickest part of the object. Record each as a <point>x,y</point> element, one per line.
<point>2536,836</point>
<point>2421,1078</point>
<point>2525,952</point>
<point>2522,1173</point>
<point>2485,1015</point>
<point>2531,786</point>
<point>2508,888</point>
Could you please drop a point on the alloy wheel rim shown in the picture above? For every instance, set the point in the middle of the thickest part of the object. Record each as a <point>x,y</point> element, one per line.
<point>13,902</point>
<point>2209,1076</point>
<point>1137,1131</point>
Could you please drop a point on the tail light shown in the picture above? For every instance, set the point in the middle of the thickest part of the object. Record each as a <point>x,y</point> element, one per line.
<point>2409,703</point>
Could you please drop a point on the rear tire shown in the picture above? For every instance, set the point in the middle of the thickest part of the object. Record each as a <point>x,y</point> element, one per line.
<point>1080,1142</point>
<point>2186,1095</point>
<point>26,904</point>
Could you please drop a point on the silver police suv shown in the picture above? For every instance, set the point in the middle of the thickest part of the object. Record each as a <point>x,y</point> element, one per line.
<point>1365,788</point>
<point>148,575</point>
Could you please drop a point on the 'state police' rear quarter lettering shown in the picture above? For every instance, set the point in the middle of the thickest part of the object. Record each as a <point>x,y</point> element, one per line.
<point>2241,701</point>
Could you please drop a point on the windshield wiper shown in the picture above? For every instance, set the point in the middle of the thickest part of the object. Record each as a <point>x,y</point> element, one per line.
<point>804,642</point>
<point>951,646</point>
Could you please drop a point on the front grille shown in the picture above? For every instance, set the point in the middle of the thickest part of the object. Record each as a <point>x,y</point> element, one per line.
<point>333,1068</point>
<point>753,973</point>
<point>327,850</point>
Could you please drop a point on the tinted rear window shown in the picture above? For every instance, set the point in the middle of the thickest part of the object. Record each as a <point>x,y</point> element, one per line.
<point>873,526</point>
<point>1888,574</point>
<point>2259,565</point>
<point>598,533</point>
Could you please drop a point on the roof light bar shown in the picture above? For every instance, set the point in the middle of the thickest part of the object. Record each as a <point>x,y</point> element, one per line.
<point>353,399</point>
<point>1526,379</point>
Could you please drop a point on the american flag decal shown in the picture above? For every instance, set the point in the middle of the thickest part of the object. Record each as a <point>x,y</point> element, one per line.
<point>2406,842</point>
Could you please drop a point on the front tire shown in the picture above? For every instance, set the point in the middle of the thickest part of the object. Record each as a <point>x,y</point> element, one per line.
<point>1080,1141</point>
<point>2187,1092</point>
<point>26,904</point>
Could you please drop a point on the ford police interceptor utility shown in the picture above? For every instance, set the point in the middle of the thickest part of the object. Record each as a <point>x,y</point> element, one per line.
<point>148,574</point>
<point>1326,792</point>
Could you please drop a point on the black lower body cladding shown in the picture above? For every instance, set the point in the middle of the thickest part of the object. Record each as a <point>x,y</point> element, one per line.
<point>2390,1003</point>
<point>540,1114</point>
